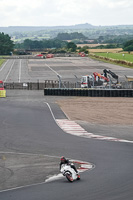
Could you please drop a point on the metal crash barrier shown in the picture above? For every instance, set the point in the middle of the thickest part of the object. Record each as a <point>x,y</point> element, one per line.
<point>89,92</point>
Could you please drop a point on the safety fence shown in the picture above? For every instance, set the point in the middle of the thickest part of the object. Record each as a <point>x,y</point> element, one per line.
<point>40,85</point>
<point>53,84</point>
<point>89,92</point>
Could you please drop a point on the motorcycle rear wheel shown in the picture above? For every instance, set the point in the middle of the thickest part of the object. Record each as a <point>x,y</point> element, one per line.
<point>69,178</point>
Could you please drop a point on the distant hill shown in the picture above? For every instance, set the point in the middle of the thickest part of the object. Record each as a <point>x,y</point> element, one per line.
<point>12,29</point>
<point>20,33</point>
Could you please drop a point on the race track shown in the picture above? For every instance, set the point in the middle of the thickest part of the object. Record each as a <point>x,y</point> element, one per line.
<point>70,69</point>
<point>27,126</point>
<point>31,142</point>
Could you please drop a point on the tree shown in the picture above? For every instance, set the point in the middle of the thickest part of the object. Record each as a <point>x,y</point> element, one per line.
<point>71,46</point>
<point>84,49</point>
<point>128,46</point>
<point>6,44</point>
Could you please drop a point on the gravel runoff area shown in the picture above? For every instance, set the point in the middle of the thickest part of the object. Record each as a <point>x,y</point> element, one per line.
<point>109,117</point>
<point>104,111</point>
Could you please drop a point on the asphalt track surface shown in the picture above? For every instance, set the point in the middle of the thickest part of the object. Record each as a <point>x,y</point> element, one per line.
<point>70,69</point>
<point>27,126</point>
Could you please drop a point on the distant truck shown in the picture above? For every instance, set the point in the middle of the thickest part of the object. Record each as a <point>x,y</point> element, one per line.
<point>97,79</point>
<point>93,80</point>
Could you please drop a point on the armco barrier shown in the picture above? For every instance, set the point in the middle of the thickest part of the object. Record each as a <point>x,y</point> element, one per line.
<point>89,92</point>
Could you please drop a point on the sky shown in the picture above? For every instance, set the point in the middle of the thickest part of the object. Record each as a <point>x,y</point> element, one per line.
<point>65,12</point>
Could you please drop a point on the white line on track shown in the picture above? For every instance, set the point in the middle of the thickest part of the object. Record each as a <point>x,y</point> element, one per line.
<point>52,69</point>
<point>21,187</point>
<point>4,65</point>
<point>9,71</point>
<point>20,71</point>
<point>51,111</point>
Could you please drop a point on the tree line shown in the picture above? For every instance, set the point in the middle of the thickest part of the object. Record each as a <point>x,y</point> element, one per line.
<point>71,36</point>
<point>42,44</point>
<point>7,45</point>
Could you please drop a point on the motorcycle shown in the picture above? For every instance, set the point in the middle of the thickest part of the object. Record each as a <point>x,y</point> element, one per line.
<point>69,173</point>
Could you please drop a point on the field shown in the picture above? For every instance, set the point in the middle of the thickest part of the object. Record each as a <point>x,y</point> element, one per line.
<point>118,56</point>
<point>105,50</point>
<point>89,45</point>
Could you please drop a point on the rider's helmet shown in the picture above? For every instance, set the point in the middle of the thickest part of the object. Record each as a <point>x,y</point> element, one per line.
<point>63,159</point>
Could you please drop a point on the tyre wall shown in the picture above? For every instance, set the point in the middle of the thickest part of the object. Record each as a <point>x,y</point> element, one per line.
<point>89,92</point>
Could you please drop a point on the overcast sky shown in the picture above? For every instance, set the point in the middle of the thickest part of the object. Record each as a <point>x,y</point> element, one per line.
<point>65,12</point>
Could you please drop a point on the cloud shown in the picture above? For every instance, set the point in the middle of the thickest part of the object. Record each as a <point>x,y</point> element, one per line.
<point>64,12</point>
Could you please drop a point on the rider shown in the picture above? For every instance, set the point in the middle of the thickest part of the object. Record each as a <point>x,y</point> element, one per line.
<point>63,160</point>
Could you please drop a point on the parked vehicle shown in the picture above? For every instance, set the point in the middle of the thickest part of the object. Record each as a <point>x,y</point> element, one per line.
<point>108,78</point>
<point>1,85</point>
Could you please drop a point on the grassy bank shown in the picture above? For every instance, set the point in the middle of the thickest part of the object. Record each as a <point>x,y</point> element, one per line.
<point>2,61</point>
<point>118,56</point>
<point>125,60</point>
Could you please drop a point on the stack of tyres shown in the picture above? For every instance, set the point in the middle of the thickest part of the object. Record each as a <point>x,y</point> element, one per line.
<point>122,93</point>
<point>81,92</point>
<point>64,92</point>
<point>119,93</point>
<point>59,92</point>
<point>67,92</point>
<point>100,93</point>
<point>45,91</point>
<point>107,93</point>
<point>111,93</point>
<point>70,92</point>
<point>89,93</point>
<point>84,92</point>
<point>126,93</point>
<point>75,92</point>
<point>50,91</point>
<point>103,93</point>
<point>97,93</point>
<point>130,93</point>
<point>55,91</point>
<point>93,93</point>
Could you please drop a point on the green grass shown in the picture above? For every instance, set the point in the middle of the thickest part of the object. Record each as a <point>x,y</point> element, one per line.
<point>2,61</point>
<point>118,56</point>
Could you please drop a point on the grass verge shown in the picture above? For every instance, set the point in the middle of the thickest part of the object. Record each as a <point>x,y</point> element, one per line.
<point>2,61</point>
<point>117,56</point>
<point>120,62</point>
